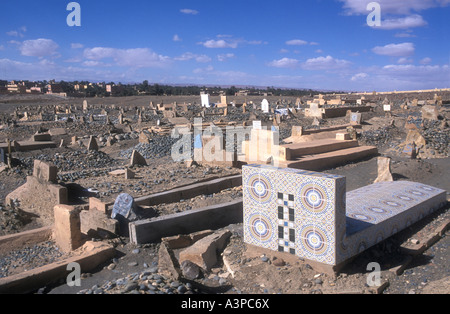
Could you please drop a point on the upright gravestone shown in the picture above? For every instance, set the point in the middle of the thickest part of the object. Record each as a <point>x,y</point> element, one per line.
<point>123,205</point>
<point>205,100</point>
<point>265,106</point>
<point>122,210</point>
<point>137,159</point>
<point>3,156</point>
<point>92,144</point>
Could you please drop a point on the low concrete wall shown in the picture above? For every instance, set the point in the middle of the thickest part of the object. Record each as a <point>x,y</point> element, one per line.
<point>212,217</point>
<point>190,191</point>
<point>20,240</point>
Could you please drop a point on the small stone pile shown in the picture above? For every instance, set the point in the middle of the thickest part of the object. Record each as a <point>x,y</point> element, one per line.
<point>146,282</point>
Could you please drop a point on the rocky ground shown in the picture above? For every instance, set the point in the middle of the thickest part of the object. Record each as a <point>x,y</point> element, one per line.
<point>135,269</point>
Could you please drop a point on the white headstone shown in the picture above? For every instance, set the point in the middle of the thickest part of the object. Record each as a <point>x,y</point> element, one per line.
<point>265,106</point>
<point>205,100</point>
<point>257,125</point>
<point>387,107</point>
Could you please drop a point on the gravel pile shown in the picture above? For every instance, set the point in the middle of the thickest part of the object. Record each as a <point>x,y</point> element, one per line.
<point>29,258</point>
<point>378,137</point>
<point>437,138</point>
<point>72,161</point>
<point>160,146</point>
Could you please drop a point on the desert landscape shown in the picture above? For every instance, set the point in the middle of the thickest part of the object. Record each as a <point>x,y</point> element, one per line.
<point>93,151</point>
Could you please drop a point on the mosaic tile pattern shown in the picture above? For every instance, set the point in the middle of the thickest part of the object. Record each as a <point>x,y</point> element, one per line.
<point>303,208</point>
<point>310,215</point>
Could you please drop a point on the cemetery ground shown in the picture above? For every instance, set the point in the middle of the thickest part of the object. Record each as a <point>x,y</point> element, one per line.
<point>246,270</point>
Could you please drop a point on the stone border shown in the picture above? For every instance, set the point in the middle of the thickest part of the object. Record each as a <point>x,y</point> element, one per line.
<point>20,240</point>
<point>215,216</point>
<point>190,191</point>
<point>34,279</point>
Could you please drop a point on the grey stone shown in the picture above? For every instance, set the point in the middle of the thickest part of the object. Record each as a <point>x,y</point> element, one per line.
<point>190,270</point>
<point>123,206</point>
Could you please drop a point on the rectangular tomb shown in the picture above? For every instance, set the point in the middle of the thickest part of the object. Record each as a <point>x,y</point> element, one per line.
<point>310,215</point>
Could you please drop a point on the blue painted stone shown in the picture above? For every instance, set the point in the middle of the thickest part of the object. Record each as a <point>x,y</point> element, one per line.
<point>122,206</point>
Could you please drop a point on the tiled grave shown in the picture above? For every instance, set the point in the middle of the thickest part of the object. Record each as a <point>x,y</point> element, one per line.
<point>310,215</point>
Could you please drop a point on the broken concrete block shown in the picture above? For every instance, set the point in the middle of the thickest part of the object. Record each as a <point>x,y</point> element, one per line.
<point>384,170</point>
<point>167,263</point>
<point>204,252</point>
<point>67,228</point>
<point>96,223</point>
<point>137,159</point>
<point>95,203</point>
<point>343,137</point>
<point>183,241</point>
<point>45,171</point>
<point>430,112</point>
<point>57,132</point>
<point>42,137</point>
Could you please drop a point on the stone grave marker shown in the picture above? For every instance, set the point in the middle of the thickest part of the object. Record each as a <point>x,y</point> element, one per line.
<point>137,159</point>
<point>265,106</point>
<point>122,206</point>
<point>3,156</point>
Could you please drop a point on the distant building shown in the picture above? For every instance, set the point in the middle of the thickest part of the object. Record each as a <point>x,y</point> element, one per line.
<point>55,89</point>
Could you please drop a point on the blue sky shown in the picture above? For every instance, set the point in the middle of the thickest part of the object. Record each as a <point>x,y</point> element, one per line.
<point>319,44</point>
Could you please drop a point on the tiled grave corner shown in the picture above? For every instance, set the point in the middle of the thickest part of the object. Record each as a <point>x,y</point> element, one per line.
<point>294,211</point>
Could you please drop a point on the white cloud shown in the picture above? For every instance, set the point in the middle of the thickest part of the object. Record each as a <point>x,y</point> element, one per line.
<point>325,63</point>
<point>18,33</point>
<point>13,33</point>
<point>296,42</point>
<point>136,58</point>
<point>189,11</point>
<point>404,60</point>
<point>176,38</point>
<point>209,68</point>
<point>402,7</point>
<point>404,35</point>
<point>284,63</point>
<point>359,77</point>
<point>76,46</point>
<point>190,56</point>
<point>425,61</point>
<point>221,43</point>
<point>395,50</point>
<point>224,57</point>
<point>38,48</point>
<point>403,23</point>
